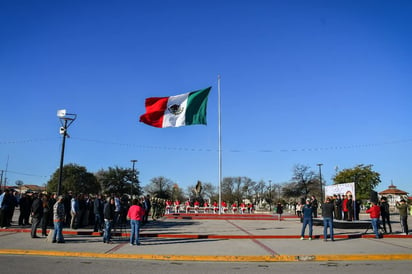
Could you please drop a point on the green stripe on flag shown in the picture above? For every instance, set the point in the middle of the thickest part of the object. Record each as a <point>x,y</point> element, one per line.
<point>196,107</point>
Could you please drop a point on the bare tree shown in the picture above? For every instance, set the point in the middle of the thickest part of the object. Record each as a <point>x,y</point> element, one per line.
<point>304,181</point>
<point>160,187</point>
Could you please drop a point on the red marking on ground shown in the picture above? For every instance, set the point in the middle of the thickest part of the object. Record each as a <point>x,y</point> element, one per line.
<point>265,247</point>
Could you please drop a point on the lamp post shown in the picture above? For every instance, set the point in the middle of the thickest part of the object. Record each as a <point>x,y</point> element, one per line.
<point>279,188</point>
<point>134,177</point>
<point>270,195</point>
<point>66,119</point>
<point>320,182</point>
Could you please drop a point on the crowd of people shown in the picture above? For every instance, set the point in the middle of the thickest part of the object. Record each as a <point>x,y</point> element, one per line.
<point>42,210</point>
<point>346,209</point>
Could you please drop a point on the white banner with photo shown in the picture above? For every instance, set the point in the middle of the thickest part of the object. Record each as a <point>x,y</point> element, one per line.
<point>342,189</point>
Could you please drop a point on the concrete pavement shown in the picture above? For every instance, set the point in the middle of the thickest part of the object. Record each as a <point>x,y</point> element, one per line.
<point>206,238</point>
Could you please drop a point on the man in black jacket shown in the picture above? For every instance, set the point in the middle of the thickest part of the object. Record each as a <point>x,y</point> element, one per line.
<point>108,213</point>
<point>98,213</point>
<point>36,214</point>
<point>385,214</point>
<point>327,214</point>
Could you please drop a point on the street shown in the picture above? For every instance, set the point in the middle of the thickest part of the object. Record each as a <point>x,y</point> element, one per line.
<point>31,264</point>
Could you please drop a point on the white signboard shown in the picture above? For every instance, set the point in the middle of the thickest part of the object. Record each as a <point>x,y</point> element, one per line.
<point>342,189</point>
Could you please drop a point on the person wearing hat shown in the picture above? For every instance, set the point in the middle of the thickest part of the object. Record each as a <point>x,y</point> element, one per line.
<point>403,215</point>
<point>307,212</point>
<point>58,219</point>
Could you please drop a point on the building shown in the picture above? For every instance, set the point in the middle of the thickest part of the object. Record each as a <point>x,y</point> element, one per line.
<point>394,195</point>
<point>28,188</point>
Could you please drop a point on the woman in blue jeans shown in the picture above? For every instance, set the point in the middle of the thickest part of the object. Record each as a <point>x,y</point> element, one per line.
<point>58,220</point>
<point>135,215</point>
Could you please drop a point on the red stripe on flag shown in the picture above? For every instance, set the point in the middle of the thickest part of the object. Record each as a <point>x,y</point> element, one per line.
<point>155,109</point>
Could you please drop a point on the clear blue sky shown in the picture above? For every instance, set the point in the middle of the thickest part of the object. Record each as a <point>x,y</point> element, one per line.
<point>303,82</point>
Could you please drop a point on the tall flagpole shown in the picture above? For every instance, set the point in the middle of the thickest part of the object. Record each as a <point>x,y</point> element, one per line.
<point>220,144</point>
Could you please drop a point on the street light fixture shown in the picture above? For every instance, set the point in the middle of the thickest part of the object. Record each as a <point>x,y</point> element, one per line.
<point>66,119</point>
<point>320,182</point>
<point>134,177</point>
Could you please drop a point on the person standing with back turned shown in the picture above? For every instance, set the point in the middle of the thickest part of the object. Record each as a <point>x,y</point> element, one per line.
<point>385,214</point>
<point>135,214</point>
<point>327,214</point>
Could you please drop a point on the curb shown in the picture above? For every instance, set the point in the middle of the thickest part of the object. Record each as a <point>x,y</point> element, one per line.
<point>207,236</point>
<point>278,258</point>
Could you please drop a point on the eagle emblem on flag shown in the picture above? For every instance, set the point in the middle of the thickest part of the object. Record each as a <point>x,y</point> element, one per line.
<point>175,109</point>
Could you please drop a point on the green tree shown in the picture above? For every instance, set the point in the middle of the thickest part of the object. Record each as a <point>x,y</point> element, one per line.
<point>119,180</point>
<point>74,178</point>
<point>363,176</point>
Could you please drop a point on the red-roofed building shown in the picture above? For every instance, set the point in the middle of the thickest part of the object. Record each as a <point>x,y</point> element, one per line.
<point>393,195</point>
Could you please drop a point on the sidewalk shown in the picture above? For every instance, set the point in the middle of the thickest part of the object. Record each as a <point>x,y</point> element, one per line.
<point>196,238</point>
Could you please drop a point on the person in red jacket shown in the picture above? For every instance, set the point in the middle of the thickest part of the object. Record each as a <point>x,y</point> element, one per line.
<point>177,206</point>
<point>234,208</point>
<point>206,207</point>
<point>215,207</point>
<point>224,207</point>
<point>196,205</point>
<point>187,206</point>
<point>375,213</point>
<point>168,206</point>
<point>135,215</point>
<point>242,208</point>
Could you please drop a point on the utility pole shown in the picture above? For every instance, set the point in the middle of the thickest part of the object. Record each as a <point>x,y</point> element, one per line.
<point>270,195</point>
<point>1,180</point>
<point>66,119</point>
<point>320,182</point>
<point>134,177</point>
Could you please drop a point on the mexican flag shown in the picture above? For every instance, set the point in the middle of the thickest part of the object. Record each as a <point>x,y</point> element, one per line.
<point>176,111</point>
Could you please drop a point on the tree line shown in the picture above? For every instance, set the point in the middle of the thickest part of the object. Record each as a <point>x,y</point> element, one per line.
<point>303,183</point>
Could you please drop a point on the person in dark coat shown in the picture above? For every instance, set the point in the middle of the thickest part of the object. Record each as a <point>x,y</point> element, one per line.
<point>314,204</point>
<point>108,213</point>
<point>338,206</point>
<point>307,212</point>
<point>385,215</point>
<point>147,205</point>
<point>24,205</point>
<point>279,210</point>
<point>47,211</point>
<point>327,214</point>
<point>36,214</point>
<point>98,213</point>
